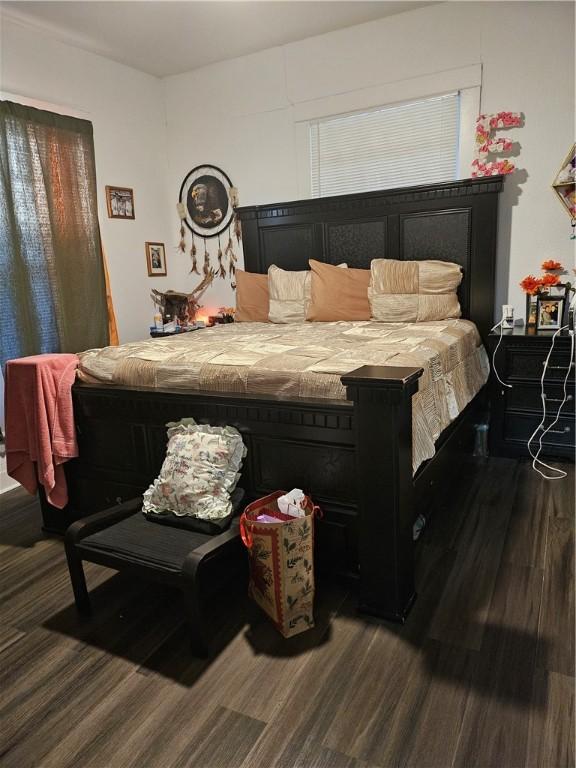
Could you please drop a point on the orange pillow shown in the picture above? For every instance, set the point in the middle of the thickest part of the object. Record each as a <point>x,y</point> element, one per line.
<point>252,301</point>
<point>338,294</point>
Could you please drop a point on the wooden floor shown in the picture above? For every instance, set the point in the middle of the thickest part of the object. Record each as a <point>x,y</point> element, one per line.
<point>481,675</point>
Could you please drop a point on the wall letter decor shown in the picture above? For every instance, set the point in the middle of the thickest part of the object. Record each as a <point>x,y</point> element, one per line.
<point>486,125</point>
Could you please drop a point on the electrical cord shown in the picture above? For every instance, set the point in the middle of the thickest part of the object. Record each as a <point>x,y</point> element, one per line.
<point>501,324</point>
<point>536,456</point>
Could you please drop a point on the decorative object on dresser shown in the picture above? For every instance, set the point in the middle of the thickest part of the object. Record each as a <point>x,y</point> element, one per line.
<point>156,333</point>
<point>207,205</point>
<point>156,259</point>
<point>516,410</point>
<point>180,308</point>
<point>549,313</point>
<point>547,286</point>
<point>226,314</point>
<point>354,455</point>
<point>564,185</point>
<point>120,202</point>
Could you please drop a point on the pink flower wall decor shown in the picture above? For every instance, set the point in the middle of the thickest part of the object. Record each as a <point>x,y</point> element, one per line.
<point>485,127</point>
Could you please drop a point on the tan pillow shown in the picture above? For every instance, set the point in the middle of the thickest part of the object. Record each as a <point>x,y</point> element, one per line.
<point>252,301</point>
<point>414,291</point>
<point>338,294</point>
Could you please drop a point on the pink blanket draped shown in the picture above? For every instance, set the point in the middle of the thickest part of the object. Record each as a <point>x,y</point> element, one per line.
<point>40,432</point>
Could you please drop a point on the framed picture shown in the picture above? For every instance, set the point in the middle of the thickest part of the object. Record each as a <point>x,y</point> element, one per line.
<point>549,313</point>
<point>531,307</point>
<point>156,259</point>
<point>205,194</point>
<point>558,291</point>
<point>120,202</point>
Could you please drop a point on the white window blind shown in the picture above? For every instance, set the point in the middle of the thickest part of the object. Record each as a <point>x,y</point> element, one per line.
<point>395,146</point>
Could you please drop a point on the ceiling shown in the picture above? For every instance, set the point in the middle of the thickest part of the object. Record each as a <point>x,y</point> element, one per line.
<point>163,37</point>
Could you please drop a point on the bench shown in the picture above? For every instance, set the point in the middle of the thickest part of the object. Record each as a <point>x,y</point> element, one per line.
<point>123,539</point>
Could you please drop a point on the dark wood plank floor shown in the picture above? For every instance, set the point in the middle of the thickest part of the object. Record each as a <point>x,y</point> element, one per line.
<point>481,675</point>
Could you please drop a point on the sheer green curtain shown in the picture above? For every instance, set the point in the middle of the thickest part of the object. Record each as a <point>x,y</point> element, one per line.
<point>52,285</point>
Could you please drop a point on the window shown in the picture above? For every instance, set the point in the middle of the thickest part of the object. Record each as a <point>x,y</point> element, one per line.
<point>394,146</point>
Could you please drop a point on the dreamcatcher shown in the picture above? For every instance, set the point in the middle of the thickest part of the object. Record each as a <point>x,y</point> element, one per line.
<point>207,207</point>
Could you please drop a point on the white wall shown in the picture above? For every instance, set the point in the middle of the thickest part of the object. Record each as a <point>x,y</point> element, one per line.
<point>240,114</point>
<point>126,109</point>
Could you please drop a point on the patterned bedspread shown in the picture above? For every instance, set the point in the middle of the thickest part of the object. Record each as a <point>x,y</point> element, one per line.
<point>307,360</point>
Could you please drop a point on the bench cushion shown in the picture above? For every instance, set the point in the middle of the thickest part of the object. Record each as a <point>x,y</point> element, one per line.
<point>137,540</point>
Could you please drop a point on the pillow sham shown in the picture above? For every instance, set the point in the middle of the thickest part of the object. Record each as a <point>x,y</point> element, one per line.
<point>200,471</point>
<point>252,299</point>
<point>290,294</point>
<point>338,294</point>
<point>414,291</point>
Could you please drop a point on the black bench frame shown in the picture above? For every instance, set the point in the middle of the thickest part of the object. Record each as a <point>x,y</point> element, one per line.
<point>188,579</point>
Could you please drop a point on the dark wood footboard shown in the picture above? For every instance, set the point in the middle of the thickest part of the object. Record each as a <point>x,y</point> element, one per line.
<point>382,398</point>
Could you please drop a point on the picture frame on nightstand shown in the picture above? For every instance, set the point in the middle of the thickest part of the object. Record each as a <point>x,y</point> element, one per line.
<point>549,312</point>
<point>531,310</point>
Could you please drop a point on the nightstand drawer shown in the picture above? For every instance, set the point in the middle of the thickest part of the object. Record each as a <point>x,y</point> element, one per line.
<point>527,398</point>
<point>528,364</point>
<point>518,427</point>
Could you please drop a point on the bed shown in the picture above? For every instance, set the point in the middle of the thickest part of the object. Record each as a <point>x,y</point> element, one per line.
<point>358,414</point>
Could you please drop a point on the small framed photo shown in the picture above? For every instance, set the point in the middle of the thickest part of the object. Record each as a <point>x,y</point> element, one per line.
<point>549,313</point>
<point>156,259</point>
<point>531,306</point>
<point>120,202</point>
<point>558,291</point>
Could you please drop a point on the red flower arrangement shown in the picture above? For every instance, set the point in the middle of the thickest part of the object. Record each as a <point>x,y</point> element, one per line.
<point>531,284</point>
<point>551,265</point>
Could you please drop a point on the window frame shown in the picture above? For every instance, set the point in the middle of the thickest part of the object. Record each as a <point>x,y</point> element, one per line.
<point>466,81</point>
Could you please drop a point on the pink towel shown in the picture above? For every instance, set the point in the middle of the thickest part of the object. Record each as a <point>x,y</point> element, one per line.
<point>40,422</point>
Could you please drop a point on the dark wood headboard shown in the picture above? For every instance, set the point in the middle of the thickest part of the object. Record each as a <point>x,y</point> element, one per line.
<point>454,221</point>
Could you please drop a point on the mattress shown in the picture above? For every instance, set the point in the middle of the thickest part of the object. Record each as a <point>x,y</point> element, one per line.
<point>306,360</point>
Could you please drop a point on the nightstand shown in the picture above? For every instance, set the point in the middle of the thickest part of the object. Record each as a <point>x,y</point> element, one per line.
<point>516,412</point>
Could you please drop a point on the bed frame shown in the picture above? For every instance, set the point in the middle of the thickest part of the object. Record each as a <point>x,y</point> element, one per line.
<point>354,457</point>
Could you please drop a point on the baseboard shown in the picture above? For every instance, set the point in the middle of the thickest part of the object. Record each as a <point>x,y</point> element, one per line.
<point>7,483</point>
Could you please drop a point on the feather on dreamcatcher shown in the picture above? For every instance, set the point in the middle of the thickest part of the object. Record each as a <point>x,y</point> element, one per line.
<point>193,256</point>
<point>221,267</point>
<point>207,207</point>
<point>182,213</point>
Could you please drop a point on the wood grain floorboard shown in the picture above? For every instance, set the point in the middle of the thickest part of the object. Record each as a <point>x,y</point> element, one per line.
<point>495,726</point>
<point>556,629</point>
<point>223,741</point>
<point>463,607</point>
<point>525,542</point>
<point>479,676</point>
<point>560,493</point>
<point>551,731</point>
<point>8,636</point>
<point>99,739</point>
